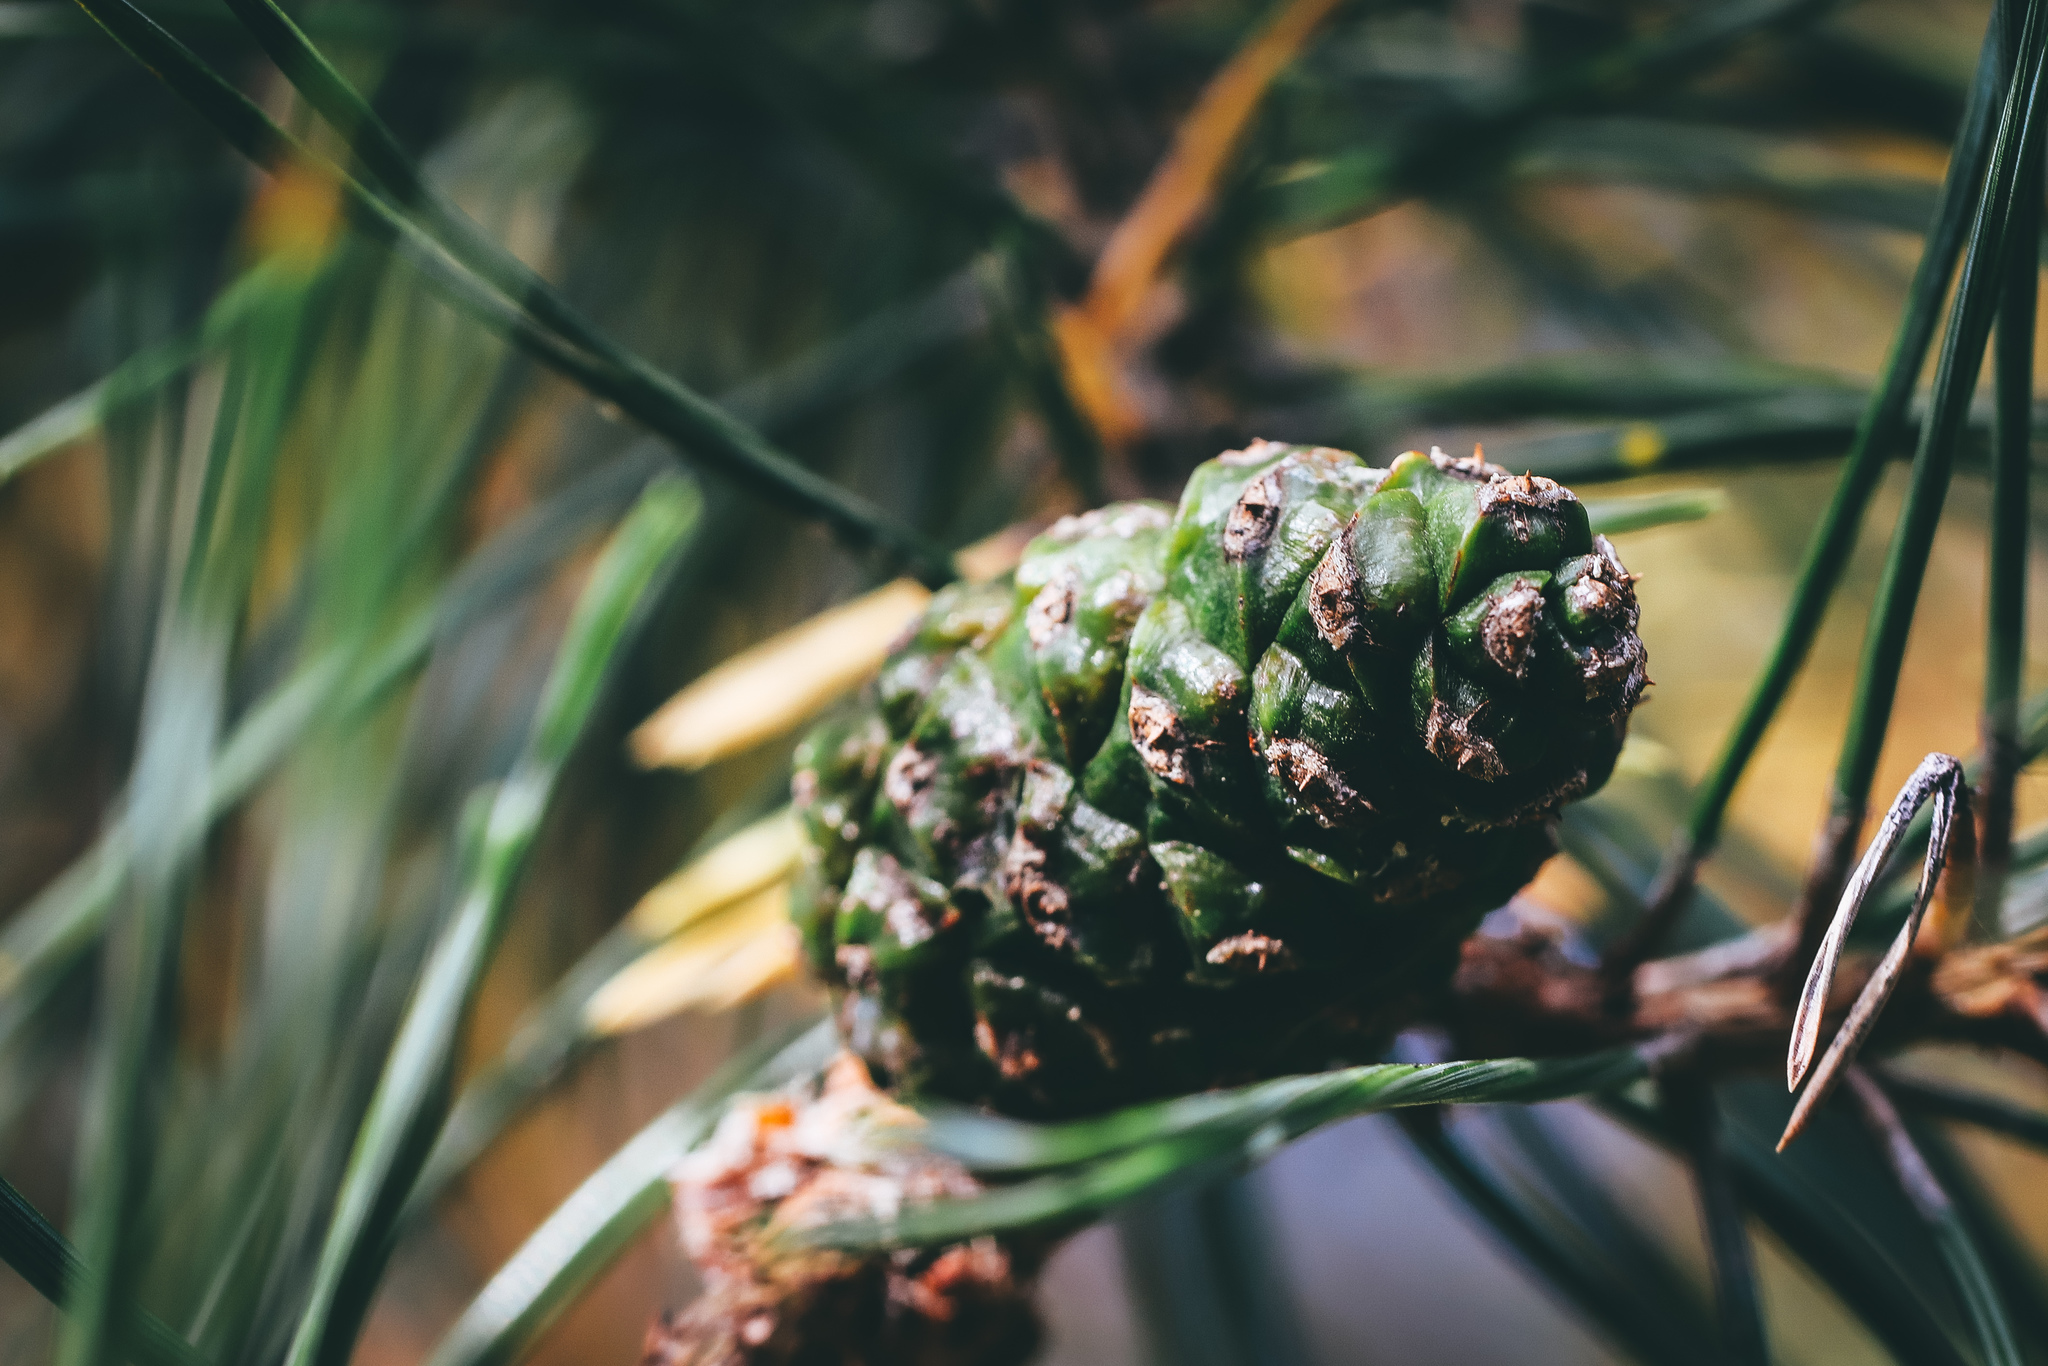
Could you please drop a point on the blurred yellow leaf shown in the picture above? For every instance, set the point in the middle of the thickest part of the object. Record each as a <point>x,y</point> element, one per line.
<point>779,684</point>
<point>1174,199</point>
<point>1094,376</point>
<point>716,963</point>
<point>295,215</point>
<point>1181,187</point>
<point>996,554</point>
<point>738,866</point>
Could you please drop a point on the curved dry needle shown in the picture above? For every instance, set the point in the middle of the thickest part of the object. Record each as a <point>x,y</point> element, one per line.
<point>1937,779</point>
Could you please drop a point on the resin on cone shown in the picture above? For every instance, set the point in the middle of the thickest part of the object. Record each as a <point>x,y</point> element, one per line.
<point>1208,794</point>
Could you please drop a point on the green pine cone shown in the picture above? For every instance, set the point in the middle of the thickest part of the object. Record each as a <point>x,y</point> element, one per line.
<point>1207,795</point>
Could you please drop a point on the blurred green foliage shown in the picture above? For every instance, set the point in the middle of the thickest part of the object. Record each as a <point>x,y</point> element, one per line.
<point>291,546</point>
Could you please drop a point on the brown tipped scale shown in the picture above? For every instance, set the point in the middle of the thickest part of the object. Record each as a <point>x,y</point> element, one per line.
<point>781,1165</point>
<point>1209,793</point>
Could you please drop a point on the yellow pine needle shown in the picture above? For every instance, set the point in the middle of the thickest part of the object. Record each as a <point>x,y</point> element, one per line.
<point>779,684</point>
<point>296,215</point>
<point>996,554</point>
<point>1174,199</point>
<point>762,855</point>
<point>1088,362</point>
<point>1955,894</point>
<point>1180,189</point>
<point>772,688</point>
<point>718,963</point>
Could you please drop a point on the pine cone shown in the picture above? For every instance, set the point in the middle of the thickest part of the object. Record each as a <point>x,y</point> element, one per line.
<point>783,1162</point>
<point>1203,795</point>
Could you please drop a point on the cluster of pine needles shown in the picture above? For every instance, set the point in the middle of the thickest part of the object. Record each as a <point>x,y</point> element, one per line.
<point>400,401</point>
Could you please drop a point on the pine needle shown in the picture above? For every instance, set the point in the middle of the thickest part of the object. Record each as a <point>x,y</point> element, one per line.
<point>740,865</point>
<point>714,964</point>
<point>1174,199</point>
<point>779,684</point>
<point>789,678</point>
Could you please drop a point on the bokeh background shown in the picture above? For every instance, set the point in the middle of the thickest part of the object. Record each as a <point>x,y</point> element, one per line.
<point>876,229</point>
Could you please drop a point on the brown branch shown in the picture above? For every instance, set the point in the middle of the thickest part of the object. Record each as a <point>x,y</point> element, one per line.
<point>1520,994</point>
<point>1665,905</point>
<point>1915,1177</point>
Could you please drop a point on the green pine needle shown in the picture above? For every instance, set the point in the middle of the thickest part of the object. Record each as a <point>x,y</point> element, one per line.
<point>412,1095</point>
<point>1097,1163</point>
<point>612,1206</point>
